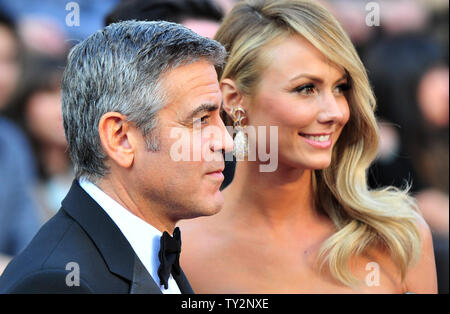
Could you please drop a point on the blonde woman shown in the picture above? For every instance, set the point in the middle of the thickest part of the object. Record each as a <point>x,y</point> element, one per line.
<point>312,225</point>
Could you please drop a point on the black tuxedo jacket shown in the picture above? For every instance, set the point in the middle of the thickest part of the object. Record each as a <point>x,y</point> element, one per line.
<point>81,232</point>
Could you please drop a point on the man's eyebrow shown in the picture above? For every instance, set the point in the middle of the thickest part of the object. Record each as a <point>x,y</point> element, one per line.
<point>199,110</point>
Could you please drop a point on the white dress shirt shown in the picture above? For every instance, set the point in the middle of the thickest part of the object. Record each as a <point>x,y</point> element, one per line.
<point>143,237</point>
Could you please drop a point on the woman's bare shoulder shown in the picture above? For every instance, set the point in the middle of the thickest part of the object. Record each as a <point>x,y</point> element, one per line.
<point>421,276</point>
<point>197,227</point>
<point>201,236</point>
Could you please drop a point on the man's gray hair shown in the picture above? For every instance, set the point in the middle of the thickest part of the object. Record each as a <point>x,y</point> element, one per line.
<point>119,69</point>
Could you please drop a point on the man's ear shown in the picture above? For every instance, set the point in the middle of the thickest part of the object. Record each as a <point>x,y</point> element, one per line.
<point>231,95</point>
<point>117,142</point>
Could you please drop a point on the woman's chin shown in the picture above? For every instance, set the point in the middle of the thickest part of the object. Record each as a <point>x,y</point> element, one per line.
<point>320,165</point>
<point>310,163</point>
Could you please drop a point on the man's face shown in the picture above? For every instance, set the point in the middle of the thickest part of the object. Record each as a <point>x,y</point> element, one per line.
<point>189,187</point>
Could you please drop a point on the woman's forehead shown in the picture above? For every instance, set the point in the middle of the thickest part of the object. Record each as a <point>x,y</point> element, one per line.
<point>287,56</point>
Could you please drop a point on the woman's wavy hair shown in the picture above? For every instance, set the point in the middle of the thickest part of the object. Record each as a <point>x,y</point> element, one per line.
<point>383,218</point>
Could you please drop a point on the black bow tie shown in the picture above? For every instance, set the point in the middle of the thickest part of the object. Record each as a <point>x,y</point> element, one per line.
<point>169,256</point>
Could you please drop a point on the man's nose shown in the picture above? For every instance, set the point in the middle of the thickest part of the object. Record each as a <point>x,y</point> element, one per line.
<point>224,141</point>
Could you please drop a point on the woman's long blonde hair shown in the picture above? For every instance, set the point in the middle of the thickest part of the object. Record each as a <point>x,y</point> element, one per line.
<point>381,218</point>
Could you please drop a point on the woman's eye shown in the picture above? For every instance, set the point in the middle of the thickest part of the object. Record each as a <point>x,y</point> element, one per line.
<point>308,89</point>
<point>340,89</point>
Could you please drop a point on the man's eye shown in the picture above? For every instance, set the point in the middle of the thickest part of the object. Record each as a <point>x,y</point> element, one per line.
<point>307,89</point>
<point>202,121</point>
<point>205,119</point>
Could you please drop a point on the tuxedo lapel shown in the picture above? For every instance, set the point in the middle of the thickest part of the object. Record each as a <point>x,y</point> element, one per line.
<point>142,282</point>
<point>183,283</point>
<point>112,244</point>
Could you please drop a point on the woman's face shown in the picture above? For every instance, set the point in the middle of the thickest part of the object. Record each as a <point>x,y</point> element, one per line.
<point>44,117</point>
<point>9,66</point>
<point>304,95</point>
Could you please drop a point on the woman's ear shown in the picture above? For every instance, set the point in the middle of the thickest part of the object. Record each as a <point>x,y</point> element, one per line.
<point>231,95</point>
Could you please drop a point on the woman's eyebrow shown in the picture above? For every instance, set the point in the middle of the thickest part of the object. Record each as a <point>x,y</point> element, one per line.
<point>315,78</point>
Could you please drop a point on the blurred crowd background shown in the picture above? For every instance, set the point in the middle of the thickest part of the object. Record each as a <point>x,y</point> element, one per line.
<point>406,56</point>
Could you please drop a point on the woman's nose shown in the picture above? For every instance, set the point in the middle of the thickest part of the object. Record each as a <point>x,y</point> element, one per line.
<point>333,110</point>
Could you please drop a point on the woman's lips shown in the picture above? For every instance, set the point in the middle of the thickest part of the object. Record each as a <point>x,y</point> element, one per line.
<point>318,140</point>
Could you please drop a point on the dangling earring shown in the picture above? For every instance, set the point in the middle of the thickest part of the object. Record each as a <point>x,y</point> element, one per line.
<point>240,140</point>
